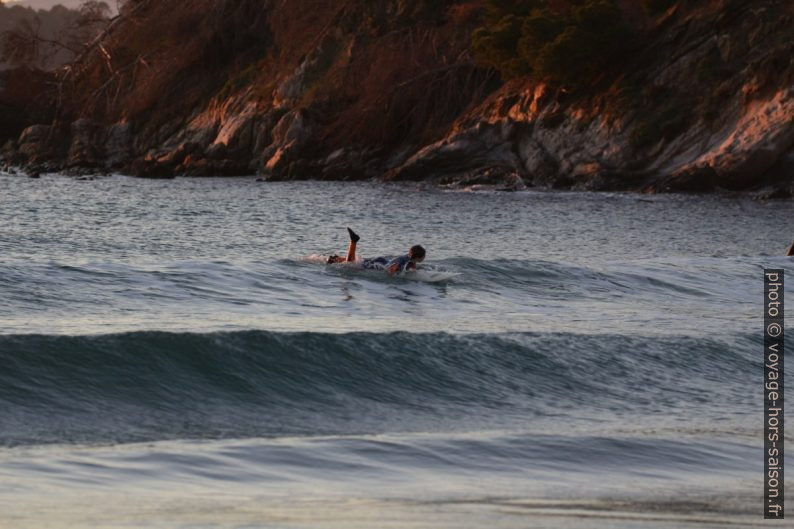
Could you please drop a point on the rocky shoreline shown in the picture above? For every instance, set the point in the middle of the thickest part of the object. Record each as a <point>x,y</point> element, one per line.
<point>497,151</point>
<point>649,131</point>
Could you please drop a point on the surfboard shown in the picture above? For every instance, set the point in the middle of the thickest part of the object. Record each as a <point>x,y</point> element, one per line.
<point>430,276</point>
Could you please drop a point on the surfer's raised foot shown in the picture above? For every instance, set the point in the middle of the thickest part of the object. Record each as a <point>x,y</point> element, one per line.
<point>353,236</point>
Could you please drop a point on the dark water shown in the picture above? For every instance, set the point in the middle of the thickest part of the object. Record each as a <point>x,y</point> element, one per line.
<point>148,386</point>
<point>171,356</point>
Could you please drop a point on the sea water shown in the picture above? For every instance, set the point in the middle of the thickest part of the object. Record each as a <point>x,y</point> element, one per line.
<point>172,356</point>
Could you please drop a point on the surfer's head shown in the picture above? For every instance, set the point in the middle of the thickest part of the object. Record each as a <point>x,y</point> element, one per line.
<point>416,253</point>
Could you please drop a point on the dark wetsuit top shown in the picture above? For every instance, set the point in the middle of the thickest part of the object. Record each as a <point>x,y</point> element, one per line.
<point>382,263</point>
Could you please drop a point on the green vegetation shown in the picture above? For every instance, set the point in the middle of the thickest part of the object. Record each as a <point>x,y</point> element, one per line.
<point>569,43</point>
<point>657,6</point>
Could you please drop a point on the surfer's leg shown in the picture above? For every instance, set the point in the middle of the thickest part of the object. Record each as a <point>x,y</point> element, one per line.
<point>351,249</point>
<point>790,250</point>
<point>351,252</point>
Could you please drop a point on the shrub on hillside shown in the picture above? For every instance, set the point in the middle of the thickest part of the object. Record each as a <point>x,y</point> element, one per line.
<point>569,43</point>
<point>657,6</point>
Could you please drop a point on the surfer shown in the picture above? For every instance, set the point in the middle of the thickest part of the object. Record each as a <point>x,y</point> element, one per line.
<point>790,251</point>
<point>403,263</point>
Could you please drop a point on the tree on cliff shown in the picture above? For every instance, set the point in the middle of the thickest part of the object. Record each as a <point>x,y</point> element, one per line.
<point>33,43</point>
<point>18,24</point>
<point>565,42</point>
<point>47,58</point>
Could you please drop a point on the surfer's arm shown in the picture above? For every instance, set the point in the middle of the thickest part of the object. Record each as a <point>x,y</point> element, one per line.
<point>398,267</point>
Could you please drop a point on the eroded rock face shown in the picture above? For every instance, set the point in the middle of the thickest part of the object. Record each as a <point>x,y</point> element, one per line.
<point>84,149</point>
<point>707,105</point>
<point>760,138</point>
<point>9,153</point>
<point>237,131</point>
<point>41,147</point>
<point>287,157</point>
<point>288,93</point>
<point>464,155</point>
<point>118,145</point>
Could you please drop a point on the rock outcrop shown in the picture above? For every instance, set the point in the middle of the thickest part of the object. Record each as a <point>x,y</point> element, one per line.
<point>388,90</point>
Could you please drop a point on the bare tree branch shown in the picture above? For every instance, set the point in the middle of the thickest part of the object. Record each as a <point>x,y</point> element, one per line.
<point>21,45</point>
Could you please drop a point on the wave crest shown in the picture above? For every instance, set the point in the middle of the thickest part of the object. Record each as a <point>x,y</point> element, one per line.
<point>154,385</point>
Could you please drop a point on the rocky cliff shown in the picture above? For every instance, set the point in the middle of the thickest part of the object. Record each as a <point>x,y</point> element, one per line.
<point>360,89</point>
